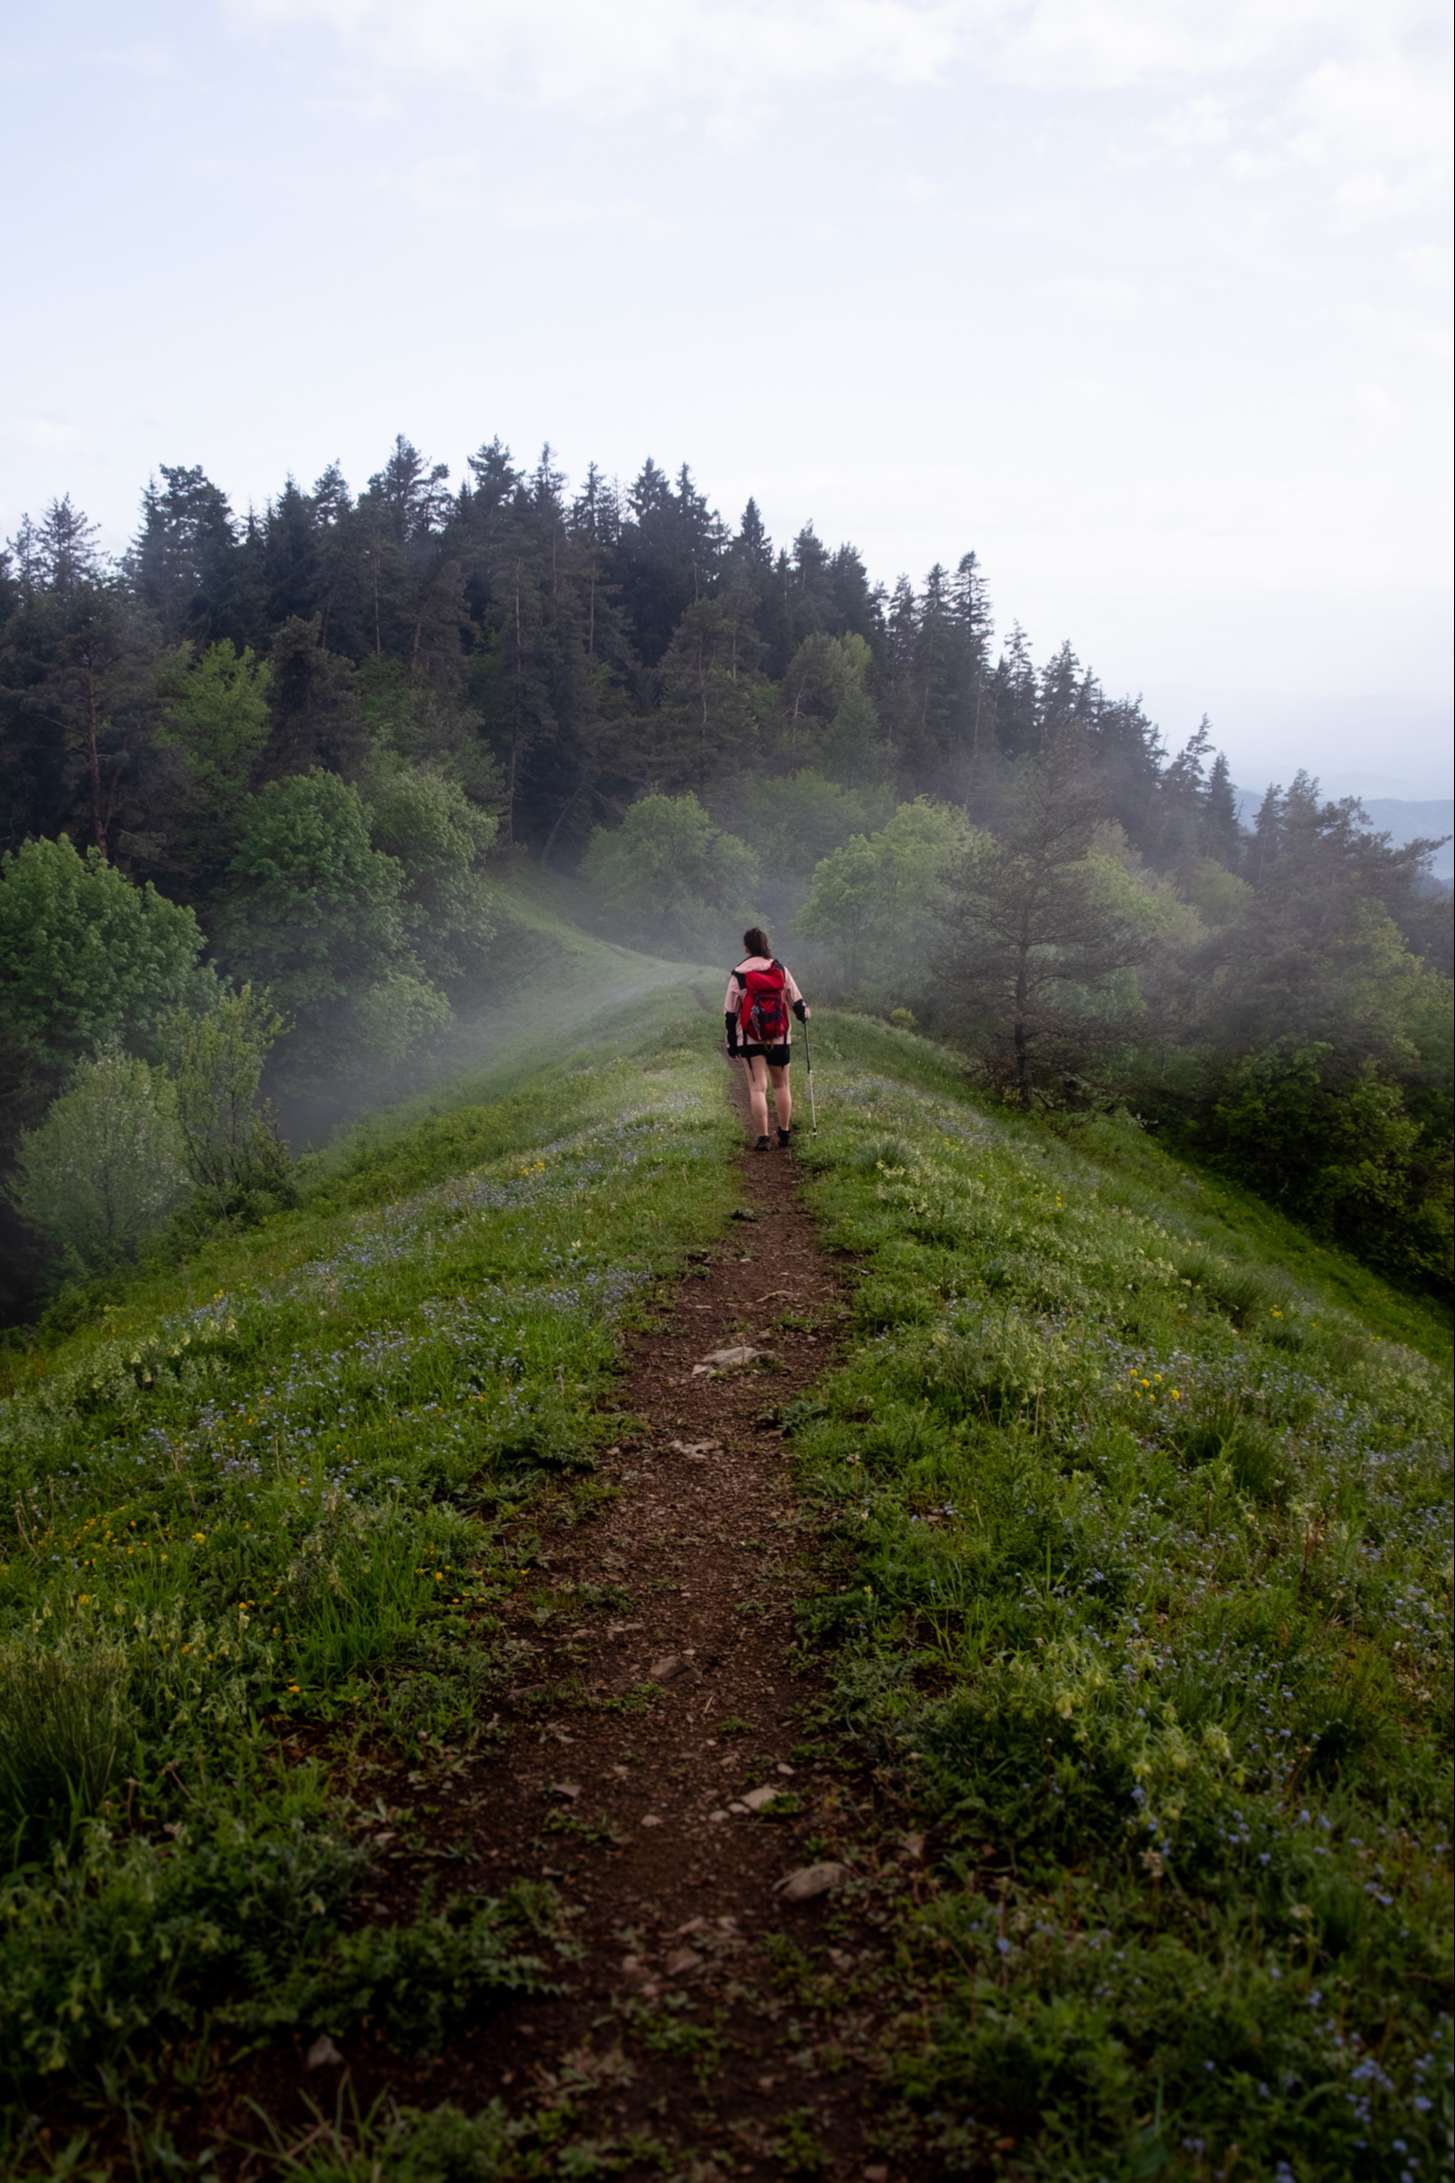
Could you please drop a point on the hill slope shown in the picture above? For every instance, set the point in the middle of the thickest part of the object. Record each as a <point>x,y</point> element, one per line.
<point>1133,1584</point>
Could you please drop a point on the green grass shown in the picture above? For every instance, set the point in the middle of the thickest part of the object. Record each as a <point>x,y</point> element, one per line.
<point>1149,1595</point>
<point>1142,1585</point>
<point>270,1491</point>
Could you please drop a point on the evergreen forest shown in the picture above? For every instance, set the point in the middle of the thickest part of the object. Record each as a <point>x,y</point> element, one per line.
<point>267,782</point>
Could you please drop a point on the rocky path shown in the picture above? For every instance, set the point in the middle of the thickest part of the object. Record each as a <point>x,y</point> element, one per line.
<point>725,1882</point>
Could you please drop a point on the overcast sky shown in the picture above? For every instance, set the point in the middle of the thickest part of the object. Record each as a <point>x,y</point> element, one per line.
<point>1146,300</point>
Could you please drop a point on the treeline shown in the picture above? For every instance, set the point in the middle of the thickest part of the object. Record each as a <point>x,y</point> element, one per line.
<point>277,752</point>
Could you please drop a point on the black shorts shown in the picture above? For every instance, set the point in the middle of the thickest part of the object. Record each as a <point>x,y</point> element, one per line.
<point>777,1057</point>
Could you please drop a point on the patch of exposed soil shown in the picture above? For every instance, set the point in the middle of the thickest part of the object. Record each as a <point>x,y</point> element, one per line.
<point>660,1771</point>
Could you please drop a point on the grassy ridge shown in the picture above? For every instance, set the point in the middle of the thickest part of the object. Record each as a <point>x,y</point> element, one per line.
<point>1150,1541</point>
<point>269,1489</point>
<point>1144,1504</point>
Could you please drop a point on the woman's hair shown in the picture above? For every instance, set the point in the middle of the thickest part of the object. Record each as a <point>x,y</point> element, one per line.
<point>755,941</point>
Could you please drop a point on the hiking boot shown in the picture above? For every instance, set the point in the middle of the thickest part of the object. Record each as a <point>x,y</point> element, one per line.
<point>785,1137</point>
<point>764,1144</point>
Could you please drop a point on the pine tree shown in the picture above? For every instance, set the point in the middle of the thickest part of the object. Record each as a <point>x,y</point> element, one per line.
<point>183,562</point>
<point>1181,798</point>
<point>1221,833</point>
<point>1128,760</point>
<point>74,683</point>
<point>339,572</point>
<point>659,577</point>
<point>1016,698</point>
<point>900,707</point>
<point>290,557</point>
<point>1266,843</point>
<point>811,590</point>
<point>1033,941</point>
<point>313,706</point>
<point>855,609</point>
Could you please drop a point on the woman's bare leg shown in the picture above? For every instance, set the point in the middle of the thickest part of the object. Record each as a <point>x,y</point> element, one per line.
<point>757,1069</point>
<point>782,1099</point>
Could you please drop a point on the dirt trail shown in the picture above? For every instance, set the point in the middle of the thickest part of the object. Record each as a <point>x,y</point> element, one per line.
<point>733,2027</point>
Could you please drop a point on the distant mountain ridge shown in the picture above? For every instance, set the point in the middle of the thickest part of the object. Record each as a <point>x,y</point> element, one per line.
<point>1401,818</point>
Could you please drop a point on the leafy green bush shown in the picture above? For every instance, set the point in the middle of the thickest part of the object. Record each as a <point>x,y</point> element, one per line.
<point>215,719</point>
<point>216,1060</point>
<point>105,1167</point>
<point>877,905</point>
<point>313,907</point>
<point>397,1016</point>
<point>122,1939</point>
<point>425,820</point>
<point>669,880</point>
<point>414,1982</point>
<point>85,956</point>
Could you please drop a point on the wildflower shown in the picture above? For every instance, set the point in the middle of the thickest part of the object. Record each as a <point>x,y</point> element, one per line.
<point>295,1686</point>
<point>200,1538</point>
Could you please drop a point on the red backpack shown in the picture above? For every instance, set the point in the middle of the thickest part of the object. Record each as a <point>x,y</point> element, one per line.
<point>763,1009</point>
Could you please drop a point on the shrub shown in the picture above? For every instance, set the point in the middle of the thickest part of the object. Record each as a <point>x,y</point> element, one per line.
<point>397,1015</point>
<point>428,824</point>
<point>877,905</point>
<point>105,1166</point>
<point>415,1981</point>
<point>314,906</point>
<point>85,955</point>
<point>216,1061</point>
<point>667,878</point>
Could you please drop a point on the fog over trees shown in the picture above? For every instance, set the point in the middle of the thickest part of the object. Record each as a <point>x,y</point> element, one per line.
<point>288,754</point>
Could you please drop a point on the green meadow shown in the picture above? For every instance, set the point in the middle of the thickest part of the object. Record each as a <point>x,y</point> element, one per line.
<point>1137,1579</point>
<point>1147,1509</point>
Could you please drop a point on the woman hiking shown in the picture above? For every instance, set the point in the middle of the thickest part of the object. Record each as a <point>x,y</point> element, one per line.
<point>760,993</point>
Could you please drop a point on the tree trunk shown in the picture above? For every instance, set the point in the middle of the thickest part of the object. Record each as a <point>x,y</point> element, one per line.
<point>1022,1044</point>
<point>93,765</point>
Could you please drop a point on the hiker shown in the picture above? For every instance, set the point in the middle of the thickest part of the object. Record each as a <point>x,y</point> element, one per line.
<point>755,1008</point>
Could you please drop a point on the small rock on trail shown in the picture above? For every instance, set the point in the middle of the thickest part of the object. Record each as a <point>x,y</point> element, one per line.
<point>811,1880</point>
<point>728,1360</point>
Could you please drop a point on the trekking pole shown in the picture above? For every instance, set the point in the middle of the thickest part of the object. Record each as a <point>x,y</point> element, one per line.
<point>808,1066</point>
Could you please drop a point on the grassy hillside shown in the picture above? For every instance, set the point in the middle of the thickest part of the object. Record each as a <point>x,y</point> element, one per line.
<point>1140,1584</point>
<point>548,979</point>
<point>1148,1509</point>
<point>270,1489</point>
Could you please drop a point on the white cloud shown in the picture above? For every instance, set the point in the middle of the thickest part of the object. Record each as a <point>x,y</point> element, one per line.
<point>1088,299</point>
<point>1376,411</point>
<point>1114,44</point>
<point>146,58</point>
<point>1348,97</point>
<point>1202,124</point>
<point>47,435</point>
<point>579,50</point>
